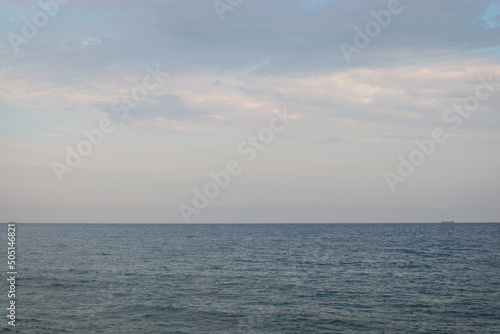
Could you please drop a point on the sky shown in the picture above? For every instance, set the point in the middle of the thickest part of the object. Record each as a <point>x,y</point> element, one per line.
<point>309,111</point>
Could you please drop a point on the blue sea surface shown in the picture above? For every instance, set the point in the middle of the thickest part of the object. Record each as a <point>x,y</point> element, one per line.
<point>256,278</point>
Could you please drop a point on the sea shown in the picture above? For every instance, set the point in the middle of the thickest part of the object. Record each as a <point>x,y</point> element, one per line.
<point>255,278</point>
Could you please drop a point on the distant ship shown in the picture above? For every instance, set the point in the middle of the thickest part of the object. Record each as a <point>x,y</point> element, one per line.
<point>447,222</point>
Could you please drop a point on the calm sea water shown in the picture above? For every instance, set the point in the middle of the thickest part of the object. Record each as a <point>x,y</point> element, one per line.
<point>380,278</point>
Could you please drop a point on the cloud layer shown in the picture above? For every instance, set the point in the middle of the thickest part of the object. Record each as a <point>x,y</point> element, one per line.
<point>226,78</point>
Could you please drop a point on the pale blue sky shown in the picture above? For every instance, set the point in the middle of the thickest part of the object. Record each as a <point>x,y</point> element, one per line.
<point>226,79</point>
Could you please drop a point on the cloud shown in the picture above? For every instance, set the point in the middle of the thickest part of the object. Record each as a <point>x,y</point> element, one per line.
<point>186,36</point>
<point>351,120</point>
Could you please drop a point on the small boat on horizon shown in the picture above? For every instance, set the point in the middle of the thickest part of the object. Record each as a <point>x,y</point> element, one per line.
<point>448,222</point>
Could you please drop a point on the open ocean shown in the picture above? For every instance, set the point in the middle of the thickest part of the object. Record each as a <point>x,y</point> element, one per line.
<point>262,278</point>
